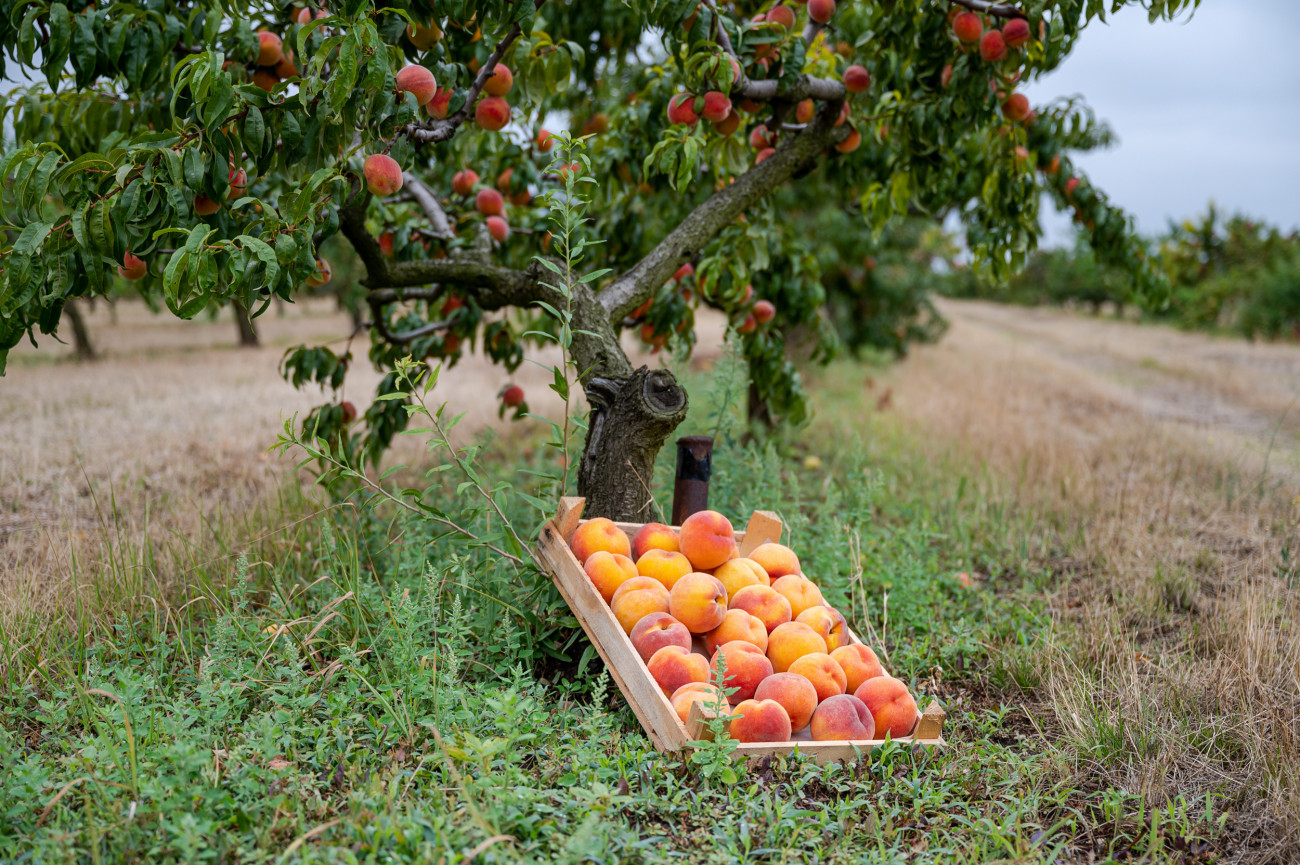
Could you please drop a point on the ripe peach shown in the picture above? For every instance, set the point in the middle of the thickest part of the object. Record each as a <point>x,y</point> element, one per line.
<point>438,106</point>
<point>489,202</point>
<point>598,534</point>
<point>265,79</point>
<point>492,113</point>
<point>992,46</point>
<point>423,37</point>
<point>737,625</point>
<point>383,174</point>
<point>945,78</point>
<point>856,79</point>
<point>500,81</point>
<point>764,155</point>
<point>727,125</point>
<point>968,27</point>
<point>322,275</point>
<point>737,573</point>
<point>1071,185</point>
<point>760,721</point>
<point>799,591</point>
<point>462,182</point>
<point>698,601</point>
<point>716,106</point>
<point>824,673</point>
<point>674,666</point>
<point>269,49</point>
<point>760,138</point>
<point>1016,32</point>
<point>636,599</point>
<point>803,112</point>
<point>512,396</point>
<point>890,705</point>
<point>285,69</point>
<point>204,206</point>
<point>132,267</point>
<point>707,539</point>
<point>749,325</point>
<point>543,141</point>
<point>859,663</point>
<point>238,183</point>
<point>305,16</point>
<point>770,607</point>
<point>654,536</point>
<point>1016,108</point>
<point>828,622</point>
<point>777,559</point>
<point>746,667</point>
<point>607,571</point>
<point>664,566</point>
<point>654,631</point>
<point>597,124</point>
<point>789,642</point>
<point>782,16</point>
<point>850,144</point>
<point>821,10</point>
<point>697,692</point>
<point>795,694</point>
<point>498,228</point>
<point>418,81</point>
<point>842,717</point>
<point>686,271</point>
<point>681,109</point>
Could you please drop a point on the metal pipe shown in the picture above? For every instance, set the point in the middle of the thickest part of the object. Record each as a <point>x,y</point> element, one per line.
<point>694,466</point>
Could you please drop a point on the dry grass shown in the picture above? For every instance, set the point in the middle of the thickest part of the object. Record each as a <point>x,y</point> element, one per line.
<point>1176,669</point>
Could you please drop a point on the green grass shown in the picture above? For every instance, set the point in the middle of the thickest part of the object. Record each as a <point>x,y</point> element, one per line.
<point>381,691</point>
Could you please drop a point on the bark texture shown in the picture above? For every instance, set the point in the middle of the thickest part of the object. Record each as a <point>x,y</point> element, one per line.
<point>630,420</point>
<point>247,336</point>
<point>80,334</point>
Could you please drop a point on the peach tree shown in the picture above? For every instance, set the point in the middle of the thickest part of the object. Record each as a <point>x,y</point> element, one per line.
<point>206,151</point>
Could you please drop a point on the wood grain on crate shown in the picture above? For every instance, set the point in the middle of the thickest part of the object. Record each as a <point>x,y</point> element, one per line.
<point>652,708</point>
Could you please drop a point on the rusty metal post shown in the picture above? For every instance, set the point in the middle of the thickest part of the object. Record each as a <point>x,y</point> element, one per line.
<point>694,465</point>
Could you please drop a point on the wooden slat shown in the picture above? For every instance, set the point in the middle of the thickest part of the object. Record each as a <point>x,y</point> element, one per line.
<point>568,515</point>
<point>763,527</point>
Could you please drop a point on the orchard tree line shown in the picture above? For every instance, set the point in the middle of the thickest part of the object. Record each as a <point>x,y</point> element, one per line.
<point>206,153</point>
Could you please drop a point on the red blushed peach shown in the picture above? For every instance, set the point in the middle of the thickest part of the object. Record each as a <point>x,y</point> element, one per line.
<point>654,536</point>
<point>418,81</point>
<point>737,625</point>
<point>664,566</point>
<point>498,228</point>
<point>795,694</point>
<point>800,592</point>
<point>657,630</point>
<point>707,539</point>
<point>828,622</point>
<point>607,571</point>
<point>842,717</point>
<point>383,174</point>
<point>492,113</point>
<point>636,599</point>
<point>777,559</point>
<point>820,669</point>
<point>859,663</point>
<point>672,666</point>
<point>599,534</point>
<point>462,182</point>
<point>270,49</point>
<point>890,704</point>
<point>697,692</point>
<point>737,573</point>
<point>790,642</point>
<point>760,721</point>
<point>764,603</point>
<point>698,601</point>
<point>746,667</point>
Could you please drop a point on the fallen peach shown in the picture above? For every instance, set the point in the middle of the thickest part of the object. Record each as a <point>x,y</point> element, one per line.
<point>799,591</point>
<point>821,670</point>
<point>672,666</point>
<point>656,630</point>
<point>599,534</point>
<point>859,663</point>
<point>607,571</point>
<point>890,703</point>
<point>698,601</point>
<point>763,602</point>
<point>777,559</point>
<point>664,566</point>
<point>828,622</point>
<point>746,667</point>
<point>760,721</point>
<point>790,642</point>
<point>707,539</point>
<point>737,625</point>
<point>842,717</point>
<point>795,693</point>
<point>654,536</point>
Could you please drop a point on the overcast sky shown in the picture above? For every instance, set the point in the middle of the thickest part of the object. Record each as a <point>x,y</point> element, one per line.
<point>1205,109</point>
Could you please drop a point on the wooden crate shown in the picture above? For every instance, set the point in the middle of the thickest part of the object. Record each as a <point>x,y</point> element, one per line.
<point>652,708</point>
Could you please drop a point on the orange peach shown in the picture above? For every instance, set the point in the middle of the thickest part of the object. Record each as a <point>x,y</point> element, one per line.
<point>656,630</point>
<point>492,113</point>
<point>738,573</point>
<point>859,663</point>
<point>801,592</point>
<point>746,667</point>
<point>654,536</point>
<point>760,721</point>
<point>825,675</point>
<point>697,692</point>
<point>673,666</point>
<point>707,539</point>
<point>664,566</point>
<point>737,625</point>
<point>777,559</point>
<point>828,622</point>
<point>383,174</point>
<point>761,601</point>
<point>890,704</point>
<point>698,601</point>
<point>607,571</point>
<point>270,49</point>
<point>419,81</point>
<point>636,599</point>
<point>599,534</point>
<point>842,717</point>
<point>795,693</point>
<point>790,642</point>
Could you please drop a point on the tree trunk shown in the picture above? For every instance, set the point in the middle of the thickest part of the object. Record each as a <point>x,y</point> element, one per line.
<point>759,411</point>
<point>628,424</point>
<point>247,336</point>
<point>80,335</point>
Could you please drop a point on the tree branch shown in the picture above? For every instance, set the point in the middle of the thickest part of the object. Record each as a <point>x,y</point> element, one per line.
<point>699,227</point>
<point>821,89</point>
<point>433,211</point>
<point>998,10</point>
